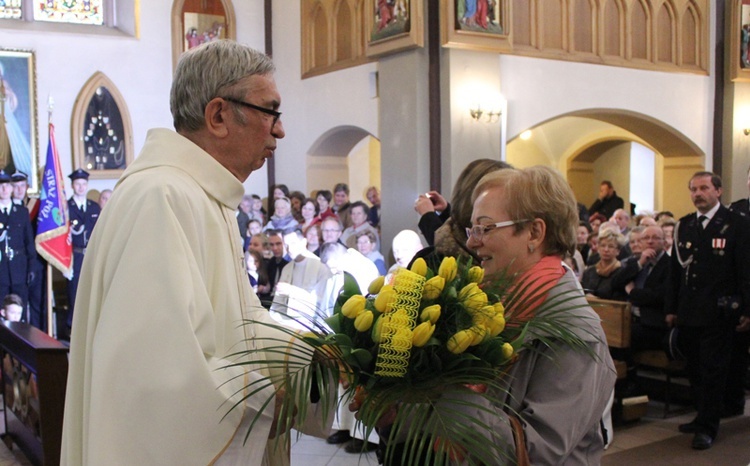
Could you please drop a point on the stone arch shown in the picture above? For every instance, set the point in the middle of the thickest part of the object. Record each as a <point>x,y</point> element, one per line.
<point>346,154</point>
<point>591,133</point>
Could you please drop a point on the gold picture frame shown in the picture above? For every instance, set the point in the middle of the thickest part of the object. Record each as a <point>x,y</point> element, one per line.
<point>19,136</point>
<point>202,26</point>
<point>740,41</point>
<point>478,29</point>
<point>393,27</point>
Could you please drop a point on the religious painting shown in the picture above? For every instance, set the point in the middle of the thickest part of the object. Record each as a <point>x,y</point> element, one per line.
<point>11,9</point>
<point>476,24</point>
<point>195,22</point>
<point>393,26</point>
<point>70,11</point>
<point>19,131</point>
<point>101,132</point>
<point>740,43</point>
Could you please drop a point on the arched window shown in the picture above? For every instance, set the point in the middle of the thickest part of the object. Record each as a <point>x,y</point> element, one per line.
<point>101,132</point>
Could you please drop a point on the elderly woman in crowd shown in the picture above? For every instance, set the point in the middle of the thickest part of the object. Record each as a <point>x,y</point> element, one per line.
<point>366,243</point>
<point>282,218</point>
<point>605,279</point>
<point>523,224</point>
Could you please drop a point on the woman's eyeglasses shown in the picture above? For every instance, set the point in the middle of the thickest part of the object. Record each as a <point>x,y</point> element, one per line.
<point>477,232</point>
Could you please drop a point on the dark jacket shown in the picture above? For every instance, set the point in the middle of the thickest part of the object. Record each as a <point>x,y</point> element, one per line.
<point>715,265</point>
<point>607,206</point>
<point>17,250</point>
<point>650,298</point>
<point>82,223</point>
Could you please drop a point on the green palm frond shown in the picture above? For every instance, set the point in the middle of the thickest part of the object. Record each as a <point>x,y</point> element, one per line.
<point>309,365</point>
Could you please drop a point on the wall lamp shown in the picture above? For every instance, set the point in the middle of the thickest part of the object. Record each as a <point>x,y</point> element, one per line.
<point>477,113</point>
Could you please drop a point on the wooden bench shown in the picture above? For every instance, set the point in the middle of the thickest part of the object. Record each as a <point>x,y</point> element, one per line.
<point>657,359</point>
<point>615,317</point>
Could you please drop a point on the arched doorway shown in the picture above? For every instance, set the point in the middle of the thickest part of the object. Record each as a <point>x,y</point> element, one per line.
<point>344,154</point>
<point>594,144</point>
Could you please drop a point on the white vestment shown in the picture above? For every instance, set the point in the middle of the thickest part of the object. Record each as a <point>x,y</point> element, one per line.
<point>162,296</point>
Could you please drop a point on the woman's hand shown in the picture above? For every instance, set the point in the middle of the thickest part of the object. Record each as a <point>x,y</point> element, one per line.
<point>388,418</point>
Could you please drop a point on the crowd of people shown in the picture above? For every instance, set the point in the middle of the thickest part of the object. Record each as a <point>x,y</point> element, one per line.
<point>161,291</point>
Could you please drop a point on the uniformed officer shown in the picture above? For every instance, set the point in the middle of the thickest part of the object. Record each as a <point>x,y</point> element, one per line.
<point>734,396</point>
<point>83,214</point>
<point>709,290</point>
<point>17,250</point>
<point>37,278</point>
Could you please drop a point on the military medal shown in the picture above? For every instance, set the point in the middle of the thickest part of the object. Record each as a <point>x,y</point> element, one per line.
<point>688,245</point>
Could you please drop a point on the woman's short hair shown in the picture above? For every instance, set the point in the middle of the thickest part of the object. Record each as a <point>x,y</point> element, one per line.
<point>370,235</point>
<point>597,216</point>
<point>313,202</point>
<point>608,234</point>
<point>538,192</point>
<point>326,195</point>
<point>208,71</point>
<point>283,199</point>
<point>462,202</point>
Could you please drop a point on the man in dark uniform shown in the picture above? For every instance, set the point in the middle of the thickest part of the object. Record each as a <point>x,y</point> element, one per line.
<point>734,396</point>
<point>709,289</point>
<point>37,277</point>
<point>83,214</point>
<point>17,250</point>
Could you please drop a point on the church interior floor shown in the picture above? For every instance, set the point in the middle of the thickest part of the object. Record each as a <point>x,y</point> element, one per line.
<point>310,451</point>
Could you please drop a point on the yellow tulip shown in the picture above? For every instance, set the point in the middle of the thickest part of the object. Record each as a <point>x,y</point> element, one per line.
<point>430,313</point>
<point>376,285</point>
<point>480,332</point>
<point>422,334</point>
<point>472,296</point>
<point>496,325</point>
<point>448,268</point>
<point>419,267</point>
<point>363,322</point>
<point>476,274</point>
<point>499,308</point>
<point>386,295</point>
<point>433,287</point>
<point>354,306</point>
<point>507,350</point>
<point>458,343</point>
<point>377,329</point>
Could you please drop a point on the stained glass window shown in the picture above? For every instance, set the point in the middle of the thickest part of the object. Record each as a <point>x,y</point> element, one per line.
<point>70,11</point>
<point>10,9</point>
<point>103,133</point>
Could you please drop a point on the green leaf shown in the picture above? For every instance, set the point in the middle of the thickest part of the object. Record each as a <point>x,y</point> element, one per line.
<point>350,287</point>
<point>343,340</point>
<point>362,356</point>
<point>334,322</point>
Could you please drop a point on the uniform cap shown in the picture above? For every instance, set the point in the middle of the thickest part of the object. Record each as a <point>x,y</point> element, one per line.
<point>78,174</point>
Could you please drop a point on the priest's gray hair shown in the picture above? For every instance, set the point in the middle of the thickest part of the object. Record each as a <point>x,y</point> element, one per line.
<point>208,71</point>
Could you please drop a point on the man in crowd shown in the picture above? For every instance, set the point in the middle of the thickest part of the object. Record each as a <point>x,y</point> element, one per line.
<point>83,214</point>
<point>734,396</point>
<point>330,230</point>
<point>373,195</point>
<point>709,287</point>
<point>607,202</point>
<point>153,374</point>
<point>104,197</point>
<point>17,250</point>
<point>646,290</point>
<point>358,214</point>
<point>275,264</point>
<point>341,203</point>
<point>622,219</point>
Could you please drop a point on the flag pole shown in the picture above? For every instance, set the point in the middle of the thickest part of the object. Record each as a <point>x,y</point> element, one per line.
<point>51,327</point>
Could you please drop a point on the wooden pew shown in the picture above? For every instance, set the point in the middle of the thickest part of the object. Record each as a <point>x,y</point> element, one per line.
<point>615,317</point>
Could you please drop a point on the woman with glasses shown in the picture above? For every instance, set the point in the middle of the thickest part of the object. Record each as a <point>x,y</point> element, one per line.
<point>606,279</point>
<point>522,225</point>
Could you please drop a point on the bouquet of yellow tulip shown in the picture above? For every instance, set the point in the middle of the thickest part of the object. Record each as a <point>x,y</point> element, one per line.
<point>412,335</point>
